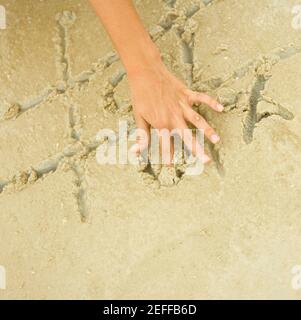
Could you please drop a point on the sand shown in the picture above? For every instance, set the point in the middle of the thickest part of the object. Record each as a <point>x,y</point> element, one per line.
<point>71,228</point>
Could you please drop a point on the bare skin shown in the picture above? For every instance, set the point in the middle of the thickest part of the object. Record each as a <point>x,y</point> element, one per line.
<point>159,99</point>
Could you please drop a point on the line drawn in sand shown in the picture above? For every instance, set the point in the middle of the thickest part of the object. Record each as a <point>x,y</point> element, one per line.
<point>65,20</point>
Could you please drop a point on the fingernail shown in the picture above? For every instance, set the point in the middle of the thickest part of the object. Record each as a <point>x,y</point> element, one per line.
<point>215,138</point>
<point>206,159</point>
<point>220,107</point>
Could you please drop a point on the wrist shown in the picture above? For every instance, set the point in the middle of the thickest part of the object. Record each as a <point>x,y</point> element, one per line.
<point>145,57</point>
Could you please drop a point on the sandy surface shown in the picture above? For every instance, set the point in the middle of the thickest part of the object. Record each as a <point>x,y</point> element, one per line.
<point>70,228</point>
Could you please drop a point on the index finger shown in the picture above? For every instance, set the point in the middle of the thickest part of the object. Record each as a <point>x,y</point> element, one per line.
<point>198,97</point>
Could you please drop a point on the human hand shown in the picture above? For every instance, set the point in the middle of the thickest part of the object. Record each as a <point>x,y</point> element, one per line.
<point>161,101</point>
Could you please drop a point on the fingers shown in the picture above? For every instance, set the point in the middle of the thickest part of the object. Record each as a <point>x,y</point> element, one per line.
<point>200,123</point>
<point>197,98</point>
<point>192,143</point>
<point>142,135</point>
<point>143,139</point>
<point>166,145</point>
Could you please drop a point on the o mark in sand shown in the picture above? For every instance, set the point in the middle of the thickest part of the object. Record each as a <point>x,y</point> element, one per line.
<point>2,17</point>
<point>2,278</point>
<point>296,23</point>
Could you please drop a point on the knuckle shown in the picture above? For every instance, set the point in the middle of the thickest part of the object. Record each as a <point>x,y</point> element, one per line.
<point>187,92</point>
<point>210,100</point>
<point>196,119</point>
<point>162,125</point>
<point>213,102</point>
<point>209,131</point>
<point>190,99</point>
<point>204,97</point>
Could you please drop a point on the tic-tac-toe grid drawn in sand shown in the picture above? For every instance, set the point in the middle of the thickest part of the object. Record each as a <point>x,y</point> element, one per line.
<point>71,228</point>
